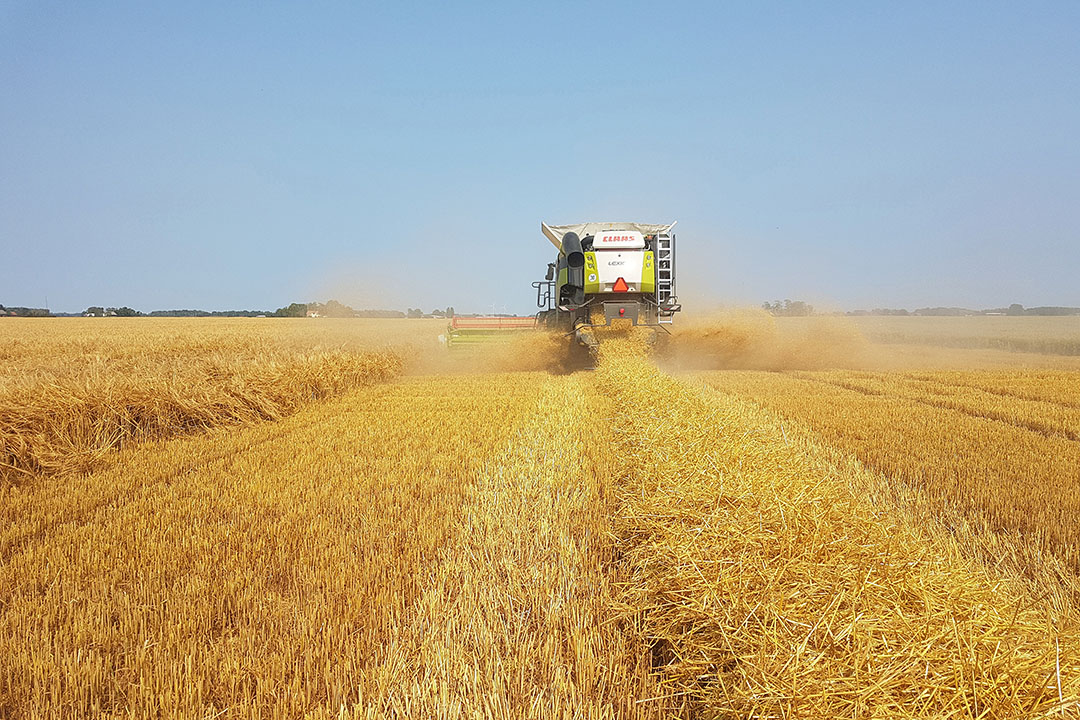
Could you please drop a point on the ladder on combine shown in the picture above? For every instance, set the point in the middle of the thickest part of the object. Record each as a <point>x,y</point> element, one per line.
<point>665,275</point>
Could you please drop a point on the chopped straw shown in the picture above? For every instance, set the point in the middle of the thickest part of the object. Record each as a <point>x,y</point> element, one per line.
<point>766,588</point>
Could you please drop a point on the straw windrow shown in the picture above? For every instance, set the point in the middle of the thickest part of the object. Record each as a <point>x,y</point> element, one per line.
<point>767,589</point>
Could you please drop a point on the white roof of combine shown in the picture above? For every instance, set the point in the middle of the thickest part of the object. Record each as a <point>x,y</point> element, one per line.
<point>555,233</point>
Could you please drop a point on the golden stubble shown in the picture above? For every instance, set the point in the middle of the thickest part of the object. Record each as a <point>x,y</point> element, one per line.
<point>772,581</point>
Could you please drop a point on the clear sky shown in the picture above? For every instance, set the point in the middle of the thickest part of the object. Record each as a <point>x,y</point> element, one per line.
<point>247,155</point>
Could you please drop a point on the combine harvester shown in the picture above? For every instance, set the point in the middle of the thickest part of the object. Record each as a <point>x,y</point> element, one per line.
<point>604,272</point>
<point>607,272</point>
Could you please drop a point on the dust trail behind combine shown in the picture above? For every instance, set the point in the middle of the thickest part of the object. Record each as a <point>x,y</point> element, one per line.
<point>748,339</point>
<point>740,339</point>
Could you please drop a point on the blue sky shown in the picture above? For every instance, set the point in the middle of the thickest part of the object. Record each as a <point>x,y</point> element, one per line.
<point>247,155</point>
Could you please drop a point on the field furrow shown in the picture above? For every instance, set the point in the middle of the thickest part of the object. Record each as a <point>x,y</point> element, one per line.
<point>517,619</point>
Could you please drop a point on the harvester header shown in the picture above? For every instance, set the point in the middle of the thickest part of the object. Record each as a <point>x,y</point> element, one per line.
<point>471,331</point>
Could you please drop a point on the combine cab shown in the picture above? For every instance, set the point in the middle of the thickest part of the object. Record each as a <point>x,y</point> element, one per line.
<point>606,272</point>
<point>466,332</point>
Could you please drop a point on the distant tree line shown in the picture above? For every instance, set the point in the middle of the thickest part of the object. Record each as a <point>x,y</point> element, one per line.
<point>789,308</point>
<point>24,312</point>
<point>798,308</point>
<point>96,311</point>
<point>206,313</point>
<point>334,309</point>
<point>1015,310</point>
<point>331,308</point>
<point>436,313</point>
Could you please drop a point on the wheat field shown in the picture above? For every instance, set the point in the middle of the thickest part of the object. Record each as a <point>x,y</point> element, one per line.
<point>281,519</point>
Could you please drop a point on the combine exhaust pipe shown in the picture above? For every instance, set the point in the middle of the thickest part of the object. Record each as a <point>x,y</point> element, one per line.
<point>575,270</point>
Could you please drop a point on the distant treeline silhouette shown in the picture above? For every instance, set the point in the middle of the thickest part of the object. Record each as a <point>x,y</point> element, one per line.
<point>1015,309</point>
<point>332,308</point>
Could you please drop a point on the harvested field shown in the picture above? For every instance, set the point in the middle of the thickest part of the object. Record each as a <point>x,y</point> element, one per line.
<point>771,585</point>
<point>1036,335</point>
<point>1008,464</point>
<point>745,526</point>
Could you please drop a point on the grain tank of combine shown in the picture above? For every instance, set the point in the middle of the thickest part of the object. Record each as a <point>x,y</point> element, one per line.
<point>606,272</point>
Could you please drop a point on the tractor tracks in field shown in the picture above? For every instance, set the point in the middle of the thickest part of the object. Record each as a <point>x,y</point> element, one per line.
<point>516,618</point>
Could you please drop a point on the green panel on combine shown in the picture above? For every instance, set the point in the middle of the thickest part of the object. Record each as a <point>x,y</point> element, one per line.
<point>592,280</point>
<point>648,274</point>
<point>561,280</point>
